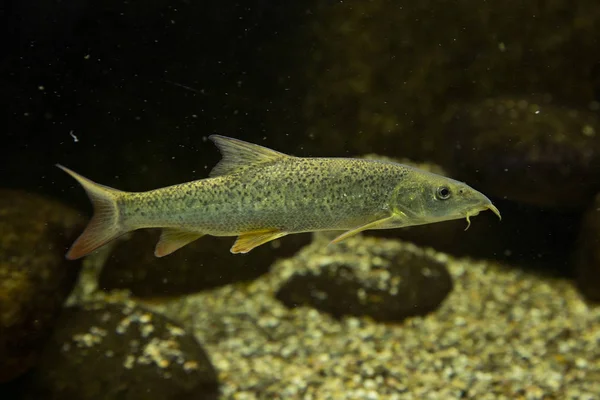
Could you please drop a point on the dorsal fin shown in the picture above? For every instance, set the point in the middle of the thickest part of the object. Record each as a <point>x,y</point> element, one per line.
<point>239,155</point>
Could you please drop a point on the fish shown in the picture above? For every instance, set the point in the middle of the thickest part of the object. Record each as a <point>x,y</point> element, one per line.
<point>257,195</point>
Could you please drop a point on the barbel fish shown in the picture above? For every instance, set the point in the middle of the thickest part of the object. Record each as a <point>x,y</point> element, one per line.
<point>258,195</point>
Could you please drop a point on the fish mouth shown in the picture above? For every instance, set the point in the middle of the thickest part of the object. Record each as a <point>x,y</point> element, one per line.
<point>487,206</point>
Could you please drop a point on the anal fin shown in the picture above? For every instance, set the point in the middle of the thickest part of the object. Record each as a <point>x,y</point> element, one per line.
<point>371,225</point>
<point>172,239</point>
<point>249,240</point>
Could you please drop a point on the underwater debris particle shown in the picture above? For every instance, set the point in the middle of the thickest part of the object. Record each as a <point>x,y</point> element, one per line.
<point>588,130</point>
<point>145,318</point>
<point>123,325</point>
<point>189,366</point>
<point>89,339</point>
<point>146,330</point>
<point>160,352</point>
<point>175,330</point>
<point>129,362</point>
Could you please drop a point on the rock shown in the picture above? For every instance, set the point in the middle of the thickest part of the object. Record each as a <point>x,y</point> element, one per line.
<point>120,351</point>
<point>391,288</point>
<point>203,264</point>
<point>528,150</point>
<point>35,278</point>
<point>587,255</point>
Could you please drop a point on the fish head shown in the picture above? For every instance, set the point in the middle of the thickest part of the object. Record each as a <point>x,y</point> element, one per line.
<point>432,198</point>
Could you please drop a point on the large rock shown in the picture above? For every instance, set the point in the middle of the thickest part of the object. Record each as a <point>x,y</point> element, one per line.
<point>120,351</point>
<point>203,264</point>
<point>379,75</point>
<point>390,288</point>
<point>528,150</point>
<point>587,255</point>
<point>35,278</point>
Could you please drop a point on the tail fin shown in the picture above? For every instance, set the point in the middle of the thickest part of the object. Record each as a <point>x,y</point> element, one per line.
<point>105,224</point>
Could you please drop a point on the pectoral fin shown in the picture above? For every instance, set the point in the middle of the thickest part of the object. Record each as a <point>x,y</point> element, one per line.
<point>249,240</point>
<point>174,239</point>
<point>371,225</point>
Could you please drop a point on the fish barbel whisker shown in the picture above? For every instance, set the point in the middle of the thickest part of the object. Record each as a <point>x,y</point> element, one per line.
<point>494,210</point>
<point>468,221</point>
<point>488,207</point>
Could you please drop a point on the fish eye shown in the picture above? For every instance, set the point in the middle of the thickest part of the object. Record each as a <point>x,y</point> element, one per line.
<point>443,193</point>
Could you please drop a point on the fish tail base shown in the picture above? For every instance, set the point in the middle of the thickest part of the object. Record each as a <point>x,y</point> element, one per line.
<point>105,224</point>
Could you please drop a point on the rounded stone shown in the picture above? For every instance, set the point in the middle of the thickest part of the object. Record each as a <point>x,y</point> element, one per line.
<point>587,254</point>
<point>407,284</point>
<point>35,277</point>
<point>105,351</point>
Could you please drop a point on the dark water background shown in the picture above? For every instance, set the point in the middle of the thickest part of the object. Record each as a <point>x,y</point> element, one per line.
<point>114,73</point>
<point>502,95</point>
<point>141,85</point>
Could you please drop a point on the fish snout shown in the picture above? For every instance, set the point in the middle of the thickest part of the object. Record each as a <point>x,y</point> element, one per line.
<point>494,209</point>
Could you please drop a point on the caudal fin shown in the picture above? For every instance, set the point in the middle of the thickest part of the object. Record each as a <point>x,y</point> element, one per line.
<point>105,224</point>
